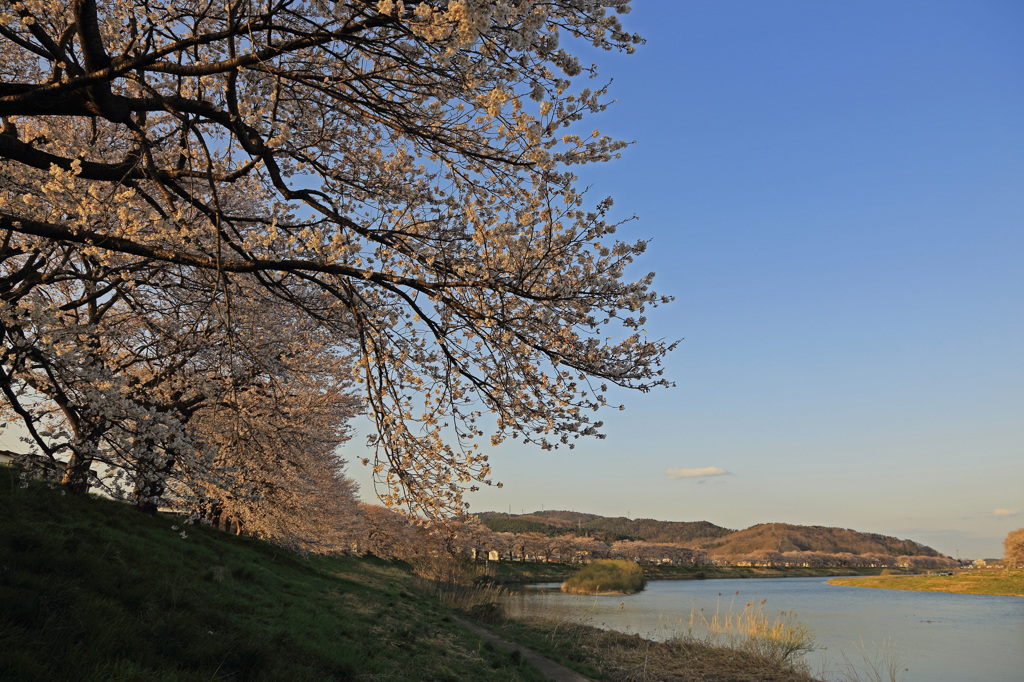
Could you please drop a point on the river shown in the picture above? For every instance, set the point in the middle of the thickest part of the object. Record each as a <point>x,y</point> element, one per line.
<point>938,637</point>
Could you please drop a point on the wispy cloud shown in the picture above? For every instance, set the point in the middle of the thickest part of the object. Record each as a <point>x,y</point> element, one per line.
<point>1006,512</point>
<point>695,473</point>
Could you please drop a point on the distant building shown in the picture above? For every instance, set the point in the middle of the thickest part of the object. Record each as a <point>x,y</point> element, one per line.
<point>39,465</point>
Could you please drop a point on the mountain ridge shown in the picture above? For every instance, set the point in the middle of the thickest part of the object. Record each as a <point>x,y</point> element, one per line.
<point>703,535</point>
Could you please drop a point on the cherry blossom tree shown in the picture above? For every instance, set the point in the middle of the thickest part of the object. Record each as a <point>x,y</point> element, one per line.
<point>98,372</point>
<point>390,535</point>
<point>147,378</point>
<point>505,544</point>
<point>399,173</point>
<point>1014,546</point>
<point>534,546</point>
<point>273,469</point>
<point>591,548</point>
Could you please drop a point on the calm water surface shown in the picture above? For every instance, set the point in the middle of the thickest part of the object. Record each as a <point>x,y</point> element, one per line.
<point>939,637</point>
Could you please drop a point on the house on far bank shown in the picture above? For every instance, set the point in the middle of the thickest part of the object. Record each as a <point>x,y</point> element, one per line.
<point>488,554</point>
<point>980,563</point>
<point>35,462</point>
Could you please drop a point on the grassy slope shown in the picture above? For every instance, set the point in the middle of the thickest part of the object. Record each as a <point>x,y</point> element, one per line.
<point>93,590</point>
<point>1006,583</point>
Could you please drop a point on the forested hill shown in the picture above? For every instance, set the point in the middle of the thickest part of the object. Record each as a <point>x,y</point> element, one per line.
<point>688,533</point>
<point>715,540</point>
<point>784,537</point>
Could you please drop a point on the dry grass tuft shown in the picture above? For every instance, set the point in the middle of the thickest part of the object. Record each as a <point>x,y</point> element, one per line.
<point>782,639</point>
<point>459,585</point>
<point>885,664</point>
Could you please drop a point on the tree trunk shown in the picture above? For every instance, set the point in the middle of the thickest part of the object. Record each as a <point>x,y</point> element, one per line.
<point>76,474</point>
<point>148,491</point>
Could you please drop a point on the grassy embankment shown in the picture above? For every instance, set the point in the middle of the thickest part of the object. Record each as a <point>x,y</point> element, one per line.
<point>93,590</point>
<point>606,576</point>
<point>995,582</point>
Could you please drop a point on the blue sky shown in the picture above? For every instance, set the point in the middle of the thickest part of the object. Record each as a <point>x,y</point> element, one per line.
<point>834,194</point>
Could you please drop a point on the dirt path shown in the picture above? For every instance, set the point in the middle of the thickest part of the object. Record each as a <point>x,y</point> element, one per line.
<point>553,671</point>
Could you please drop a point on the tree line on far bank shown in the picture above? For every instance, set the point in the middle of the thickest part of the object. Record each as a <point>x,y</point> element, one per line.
<point>761,544</point>
<point>395,537</point>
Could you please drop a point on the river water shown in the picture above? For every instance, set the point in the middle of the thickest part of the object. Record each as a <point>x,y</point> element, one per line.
<point>937,637</point>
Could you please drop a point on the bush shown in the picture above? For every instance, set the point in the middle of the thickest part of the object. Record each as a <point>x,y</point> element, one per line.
<point>606,575</point>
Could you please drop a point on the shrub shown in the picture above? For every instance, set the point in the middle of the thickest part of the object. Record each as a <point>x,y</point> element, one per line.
<point>606,575</point>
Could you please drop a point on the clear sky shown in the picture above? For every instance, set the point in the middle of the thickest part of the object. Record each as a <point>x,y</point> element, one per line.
<point>834,193</point>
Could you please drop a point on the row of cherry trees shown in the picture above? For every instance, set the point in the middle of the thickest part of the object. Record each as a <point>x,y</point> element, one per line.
<point>772,558</point>
<point>225,228</point>
<point>393,535</point>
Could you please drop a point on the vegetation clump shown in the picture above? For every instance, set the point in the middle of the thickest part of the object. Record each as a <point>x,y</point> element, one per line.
<point>781,639</point>
<point>604,576</point>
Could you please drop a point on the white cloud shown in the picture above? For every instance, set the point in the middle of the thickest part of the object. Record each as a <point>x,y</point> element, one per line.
<point>1006,512</point>
<point>695,473</point>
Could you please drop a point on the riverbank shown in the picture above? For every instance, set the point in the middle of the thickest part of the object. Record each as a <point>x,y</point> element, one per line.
<point>94,590</point>
<point>995,582</point>
<point>619,657</point>
<point>750,572</point>
<point>510,573</point>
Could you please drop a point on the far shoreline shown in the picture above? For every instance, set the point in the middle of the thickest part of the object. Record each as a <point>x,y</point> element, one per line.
<point>1001,583</point>
<point>509,573</point>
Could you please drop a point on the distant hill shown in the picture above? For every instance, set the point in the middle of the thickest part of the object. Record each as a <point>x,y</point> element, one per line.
<point>606,529</point>
<point>785,537</point>
<point>715,540</point>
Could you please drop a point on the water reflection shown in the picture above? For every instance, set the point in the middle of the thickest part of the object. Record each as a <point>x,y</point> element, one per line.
<point>939,637</point>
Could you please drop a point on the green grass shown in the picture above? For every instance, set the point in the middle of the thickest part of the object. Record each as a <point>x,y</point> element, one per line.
<point>606,575</point>
<point>94,590</point>
<point>995,582</point>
